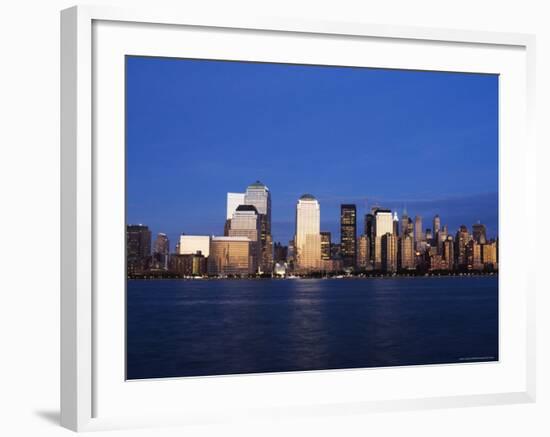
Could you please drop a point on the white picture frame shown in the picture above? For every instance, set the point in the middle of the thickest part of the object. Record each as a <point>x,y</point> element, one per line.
<point>80,195</point>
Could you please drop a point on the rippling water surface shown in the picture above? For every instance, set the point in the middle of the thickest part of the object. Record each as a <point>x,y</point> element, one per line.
<point>192,328</point>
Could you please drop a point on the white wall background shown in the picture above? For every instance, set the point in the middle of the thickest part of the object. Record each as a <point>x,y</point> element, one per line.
<point>29,217</point>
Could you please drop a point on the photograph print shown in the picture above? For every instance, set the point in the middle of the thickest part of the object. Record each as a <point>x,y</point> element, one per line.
<point>289,217</point>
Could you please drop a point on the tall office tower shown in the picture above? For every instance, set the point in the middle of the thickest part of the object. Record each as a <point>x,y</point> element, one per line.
<point>489,255</point>
<point>233,201</point>
<point>473,250</point>
<point>161,251</point>
<point>258,194</point>
<point>479,233</point>
<point>437,224</point>
<point>363,256</point>
<point>369,232</point>
<point>383,225</point>
<point>138,248</point>
<point>440,239</point>
<point>230,256</point>
<point>325,245</point>
<point>389,252</point>
<point>418,236</point>
<point>348,234</point>
<point>404,222</point>
<point>246,223</point>
<point>395,224</point>
<point>448,252</point>
<point>461,244</point>
<point>190,244</point>
<point>405,256</point>
<point>308,237</point>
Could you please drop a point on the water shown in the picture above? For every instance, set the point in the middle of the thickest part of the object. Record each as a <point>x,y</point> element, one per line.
<point>192,328</point>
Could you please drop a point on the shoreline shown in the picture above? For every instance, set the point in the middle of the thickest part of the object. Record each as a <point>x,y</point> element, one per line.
<point>338,277</point>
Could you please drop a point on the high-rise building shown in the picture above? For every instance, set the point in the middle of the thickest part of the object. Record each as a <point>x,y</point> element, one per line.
<point>308,236</point>
<point>325,246</point>
<point>363,256</point>
<point>395,224</point>
<point>418,235</point>
<point>448,252</point>
<point>230,256</point>
<point>348,234</point>
<point>246,223</point>
<point>389,252</point>
<point>190,244</point>
<point>161,251</point>
<point>258,194</point>
<point>489,255</point>
<point>370,233</point>
<point>461,243</point>
<point>383,225</point>
<point>138,248</point>
<point>479,233</point>
<point>404,222</point>
<point>473,251</point>
<point>406,252</point>
<point>233,201</point>
<point>436,224</point>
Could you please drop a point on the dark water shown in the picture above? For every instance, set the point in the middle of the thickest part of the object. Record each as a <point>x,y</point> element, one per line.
<point>190,328</point>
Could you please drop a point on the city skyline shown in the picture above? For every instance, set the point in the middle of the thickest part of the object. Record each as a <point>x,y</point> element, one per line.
<point>334,226</point>
<point>387,243</point>
<point>427,141</point>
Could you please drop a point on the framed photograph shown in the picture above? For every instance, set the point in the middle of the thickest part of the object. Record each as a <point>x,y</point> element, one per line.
<point>271,218</point>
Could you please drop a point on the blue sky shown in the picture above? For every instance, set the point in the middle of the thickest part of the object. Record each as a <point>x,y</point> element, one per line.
<point>197,129</point>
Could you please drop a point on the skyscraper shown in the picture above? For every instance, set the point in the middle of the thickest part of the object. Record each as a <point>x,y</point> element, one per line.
<point>448,252</point>
<point>308,237</point>
<point>395,224</point>
<point>406,252</point>
<point>348,234</point>
<point>161,250</point>
<point>246,223</point>
<point>233,201</point>
<point>389,252</point>
<point>404,222</point>
<point>325,245</point>
<point>461,244</point>
<point>370,233</point>
<point>418,235</point>
<point>479,233</point>
<point>383,225</point>
<point>258,195</point>
<point>138,248</point>
<point>363,256</point>
<point>436,224</point>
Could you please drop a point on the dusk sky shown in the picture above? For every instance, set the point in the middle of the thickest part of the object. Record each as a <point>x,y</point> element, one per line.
<point>198,129</point>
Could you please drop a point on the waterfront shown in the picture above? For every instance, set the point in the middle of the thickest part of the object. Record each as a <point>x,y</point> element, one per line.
<point>193,328</point>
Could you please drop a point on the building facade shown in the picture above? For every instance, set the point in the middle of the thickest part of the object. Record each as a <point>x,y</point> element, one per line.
<point>138,248</point>
<point>348,234</point>
<point>308,234</point>
<point>230,256</point>
<point>258,195</point>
